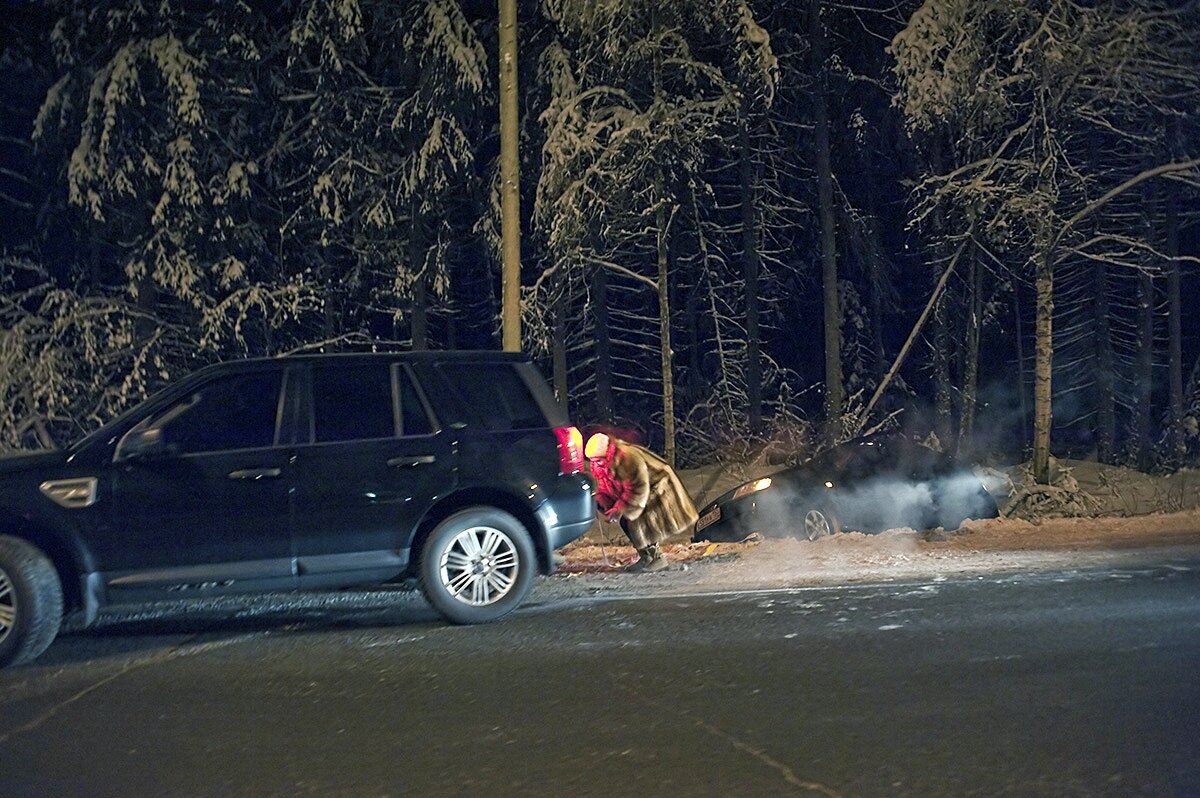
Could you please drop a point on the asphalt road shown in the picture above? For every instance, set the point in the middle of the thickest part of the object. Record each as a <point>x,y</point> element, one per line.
<point>1081,683</point>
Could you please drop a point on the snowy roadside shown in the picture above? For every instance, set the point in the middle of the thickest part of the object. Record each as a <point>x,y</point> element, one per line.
<point>592,570</point>
<point>995,545</point>
<point>981,547</point>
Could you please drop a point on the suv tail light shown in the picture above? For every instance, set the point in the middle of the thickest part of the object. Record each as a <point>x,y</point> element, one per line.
<point>570,449</point>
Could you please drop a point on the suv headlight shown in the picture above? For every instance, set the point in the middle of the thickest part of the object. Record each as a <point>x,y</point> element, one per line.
<point>752,487</point>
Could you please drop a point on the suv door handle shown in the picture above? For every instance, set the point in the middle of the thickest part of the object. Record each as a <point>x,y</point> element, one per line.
<point>415,460</point>
<point>255,473</point>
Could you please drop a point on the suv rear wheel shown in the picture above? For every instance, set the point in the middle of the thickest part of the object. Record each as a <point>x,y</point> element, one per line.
<point>477,565</point>
<point>31,601</point>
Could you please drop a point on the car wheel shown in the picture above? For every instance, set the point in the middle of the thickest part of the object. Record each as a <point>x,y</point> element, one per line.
<point>31,601</point>
<point>477,565</point>
<point>818,523</point>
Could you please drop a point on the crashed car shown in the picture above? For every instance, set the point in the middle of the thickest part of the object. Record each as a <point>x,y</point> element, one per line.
<point>868,485</point>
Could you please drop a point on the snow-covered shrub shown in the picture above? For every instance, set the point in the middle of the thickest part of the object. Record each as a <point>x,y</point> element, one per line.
<point>1062,497</point>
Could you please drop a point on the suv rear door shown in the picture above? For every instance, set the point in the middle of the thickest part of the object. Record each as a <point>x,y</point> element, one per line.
<point>372,462</point>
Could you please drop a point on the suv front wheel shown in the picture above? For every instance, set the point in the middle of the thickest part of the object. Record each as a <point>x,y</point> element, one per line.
<point>31,601</point>
<point>477,565</point>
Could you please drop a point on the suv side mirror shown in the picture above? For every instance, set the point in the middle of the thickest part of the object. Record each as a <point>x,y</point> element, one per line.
<point>146,440</point>
<point>144,444</point>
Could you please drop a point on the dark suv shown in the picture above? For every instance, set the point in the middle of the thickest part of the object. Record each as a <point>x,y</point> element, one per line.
<point>457,469</point>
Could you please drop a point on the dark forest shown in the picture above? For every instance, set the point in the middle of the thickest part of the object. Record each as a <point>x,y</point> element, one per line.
<point>748,228</point>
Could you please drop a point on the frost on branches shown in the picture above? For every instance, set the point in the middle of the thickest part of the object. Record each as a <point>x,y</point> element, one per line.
<point>243,183</point>
<point>1047,126</point>
<point>624,209</point>
<point>59,351</point>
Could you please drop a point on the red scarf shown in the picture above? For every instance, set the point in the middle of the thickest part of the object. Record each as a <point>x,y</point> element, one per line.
<point>612,495</point>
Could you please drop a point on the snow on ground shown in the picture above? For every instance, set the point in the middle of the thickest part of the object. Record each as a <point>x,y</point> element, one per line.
<point>1134,518</point>
<point>980,547</point>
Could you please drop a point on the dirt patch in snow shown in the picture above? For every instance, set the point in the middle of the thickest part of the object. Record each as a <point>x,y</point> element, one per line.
<point>996,545</point>
<point>1134,518</point>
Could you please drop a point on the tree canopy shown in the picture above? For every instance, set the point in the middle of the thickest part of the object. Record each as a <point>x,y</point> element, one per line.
<point>746,229</point>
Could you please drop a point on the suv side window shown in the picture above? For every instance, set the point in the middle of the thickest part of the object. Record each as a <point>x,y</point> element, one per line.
<point>497,394</point>
<point>238,411</point>
<point>352,402</point>
<point>413,420</point>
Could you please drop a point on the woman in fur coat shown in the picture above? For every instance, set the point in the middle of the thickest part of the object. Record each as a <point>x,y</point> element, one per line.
<point>639,489</point>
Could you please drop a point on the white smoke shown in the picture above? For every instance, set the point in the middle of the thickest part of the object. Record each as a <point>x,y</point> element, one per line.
<point>874,505</point>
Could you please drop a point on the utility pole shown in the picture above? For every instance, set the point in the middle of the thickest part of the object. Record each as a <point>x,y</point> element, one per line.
<point>510,199</point>
<point>835,395</point>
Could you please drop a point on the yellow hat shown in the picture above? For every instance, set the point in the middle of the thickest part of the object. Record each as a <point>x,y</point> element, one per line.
<point>597,445</point>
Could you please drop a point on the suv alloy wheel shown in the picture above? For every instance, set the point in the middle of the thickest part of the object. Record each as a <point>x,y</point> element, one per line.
<point>477,565</point>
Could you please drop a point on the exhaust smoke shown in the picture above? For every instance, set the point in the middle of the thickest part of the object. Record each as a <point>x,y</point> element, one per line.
<point>873,505</point>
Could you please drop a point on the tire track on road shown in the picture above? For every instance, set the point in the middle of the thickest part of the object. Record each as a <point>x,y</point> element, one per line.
<point>186,648</point>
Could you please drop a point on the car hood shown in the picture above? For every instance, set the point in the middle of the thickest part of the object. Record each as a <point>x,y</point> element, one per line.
<point>18,463</point>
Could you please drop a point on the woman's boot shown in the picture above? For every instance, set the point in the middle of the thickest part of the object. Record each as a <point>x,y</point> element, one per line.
<point>651,559</point>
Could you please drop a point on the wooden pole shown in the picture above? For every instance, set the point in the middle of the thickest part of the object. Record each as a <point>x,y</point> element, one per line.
<point>510,200</point>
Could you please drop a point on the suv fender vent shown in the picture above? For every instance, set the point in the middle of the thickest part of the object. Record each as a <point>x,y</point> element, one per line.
<point>74,494</point>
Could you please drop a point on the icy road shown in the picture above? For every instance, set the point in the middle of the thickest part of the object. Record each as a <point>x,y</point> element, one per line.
<point>1066,683</point>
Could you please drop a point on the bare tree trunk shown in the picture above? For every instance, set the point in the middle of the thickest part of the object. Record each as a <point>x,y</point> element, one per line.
<point>559,345</point>
<point>420,316</point>
<point>750,270</point>
<point>147,305</point>
<point>877,273</point>
<point>662,225</point>
<point>943,421</point>
<point>1174,331</point>
<point>1106,424</point>
<point>331,316</point>
<point>1043,364</point>
<point>876,310</point>
<point>1145,444</point>
<point>692,311</point>
<point>1021,379</point>
<point>834,389</point>
<point>664,323</point>
<point>604,393</point>
<point>970,372</point>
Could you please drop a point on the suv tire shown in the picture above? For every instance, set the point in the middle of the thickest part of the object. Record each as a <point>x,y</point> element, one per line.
<point>31,601</point>
<point>477,565</point>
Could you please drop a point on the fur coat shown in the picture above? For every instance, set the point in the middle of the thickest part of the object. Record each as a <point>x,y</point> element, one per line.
<point>639,488</point>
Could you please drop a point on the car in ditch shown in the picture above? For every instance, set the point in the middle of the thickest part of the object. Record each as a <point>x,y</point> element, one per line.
<point>458,470</point>
<point>870,484</point>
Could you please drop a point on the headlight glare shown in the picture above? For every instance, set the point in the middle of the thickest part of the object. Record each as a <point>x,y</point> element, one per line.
<point>752,487</point>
